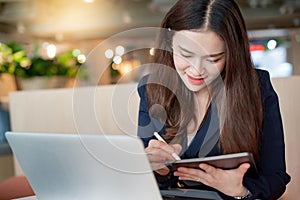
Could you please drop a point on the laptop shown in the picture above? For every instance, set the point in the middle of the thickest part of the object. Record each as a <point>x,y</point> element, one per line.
<point>74,166</point>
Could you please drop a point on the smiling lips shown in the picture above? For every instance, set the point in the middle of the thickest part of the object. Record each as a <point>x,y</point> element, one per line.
<point>195,81</point>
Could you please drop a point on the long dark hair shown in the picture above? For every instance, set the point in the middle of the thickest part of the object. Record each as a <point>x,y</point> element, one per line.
<point>240,106</point>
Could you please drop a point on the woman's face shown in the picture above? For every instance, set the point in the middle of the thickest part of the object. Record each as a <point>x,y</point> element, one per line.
<point>199,57</point>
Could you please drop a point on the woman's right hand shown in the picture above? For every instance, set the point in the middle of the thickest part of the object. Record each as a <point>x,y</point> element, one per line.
<point>158,153</point>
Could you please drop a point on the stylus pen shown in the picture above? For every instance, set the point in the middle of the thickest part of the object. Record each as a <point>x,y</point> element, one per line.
<point>161,139</point>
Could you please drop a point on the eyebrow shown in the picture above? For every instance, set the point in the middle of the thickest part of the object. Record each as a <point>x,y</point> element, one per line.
<point>210,55</point>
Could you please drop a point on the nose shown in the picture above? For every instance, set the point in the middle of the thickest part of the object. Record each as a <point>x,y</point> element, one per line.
<point>198,66</point>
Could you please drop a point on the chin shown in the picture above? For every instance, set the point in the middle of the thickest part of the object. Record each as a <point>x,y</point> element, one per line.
<point>195,88</point>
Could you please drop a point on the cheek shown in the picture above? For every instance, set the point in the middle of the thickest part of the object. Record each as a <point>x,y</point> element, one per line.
<point>180,63</point>
<point>216,69</point>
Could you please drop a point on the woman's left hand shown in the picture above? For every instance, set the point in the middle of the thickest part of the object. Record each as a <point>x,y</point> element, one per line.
<point>229,182</point>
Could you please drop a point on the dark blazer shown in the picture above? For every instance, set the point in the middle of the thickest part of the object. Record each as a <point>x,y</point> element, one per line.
<point>273,178</point>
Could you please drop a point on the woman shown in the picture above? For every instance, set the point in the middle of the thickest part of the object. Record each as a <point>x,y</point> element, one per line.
<point>215,103</point>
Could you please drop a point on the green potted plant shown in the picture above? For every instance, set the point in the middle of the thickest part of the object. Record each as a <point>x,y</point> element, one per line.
<point>37,71</point>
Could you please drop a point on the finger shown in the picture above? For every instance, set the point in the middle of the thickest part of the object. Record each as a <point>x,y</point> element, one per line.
<point>157,166</point>
<point>153,157</point>
<point>192,174</point>
<point>166,147</point>
<point>177,148</point>
<point>182,174</point>
<point>158,155</point>
<point>207,168</point>
<point>190,177</point>
<point>243,168</point>
<point>187,170</point>
<point>156,143</point>
<point>178,173</point>
<point>161,169</point>
<point>181,171</point>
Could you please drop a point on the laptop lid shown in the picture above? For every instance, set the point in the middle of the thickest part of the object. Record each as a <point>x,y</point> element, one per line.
<point>70,166</point>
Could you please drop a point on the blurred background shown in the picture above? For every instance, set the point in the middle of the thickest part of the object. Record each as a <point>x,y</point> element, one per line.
<point>52,30</point>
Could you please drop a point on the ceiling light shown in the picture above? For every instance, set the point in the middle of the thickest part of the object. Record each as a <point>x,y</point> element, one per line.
<point>120,50</point>
<point>88,1</point>
<point>109,53</point>
<point>272,44</point>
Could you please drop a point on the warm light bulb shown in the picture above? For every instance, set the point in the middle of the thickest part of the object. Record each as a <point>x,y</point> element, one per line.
<point>81,58</point>
<point>117,59</point>
<point>51,50</point>
<point>89,1</point>
<point>152,51</point>
<point>126,68</point>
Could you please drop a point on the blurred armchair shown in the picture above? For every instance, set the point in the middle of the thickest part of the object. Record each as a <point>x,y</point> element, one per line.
<point>15,187</point>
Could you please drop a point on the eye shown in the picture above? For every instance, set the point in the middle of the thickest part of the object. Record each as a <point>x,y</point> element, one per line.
<point>213,61</point>
<point>186,55</point>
